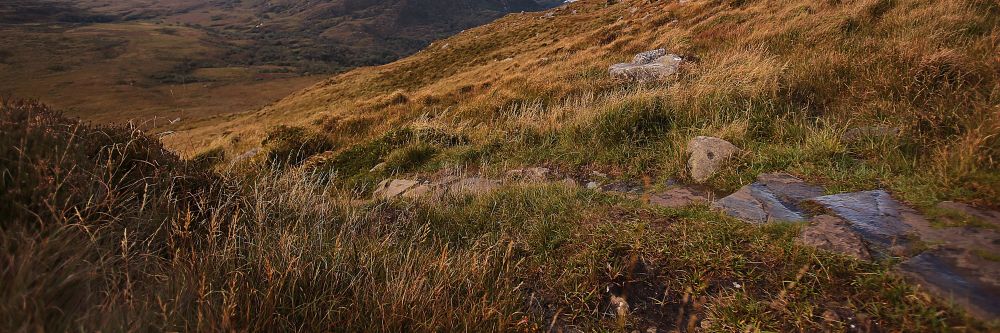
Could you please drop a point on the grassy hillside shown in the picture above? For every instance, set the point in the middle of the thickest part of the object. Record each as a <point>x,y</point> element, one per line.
<point>269,222</point>
<point>103,229</point>
<point>792,82</point>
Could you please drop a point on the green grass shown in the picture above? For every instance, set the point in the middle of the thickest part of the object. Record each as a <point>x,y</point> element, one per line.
<point>274,251</point>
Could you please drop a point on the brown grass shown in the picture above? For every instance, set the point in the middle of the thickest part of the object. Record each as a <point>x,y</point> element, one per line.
<point>101,229</point>
<point>767,75</point>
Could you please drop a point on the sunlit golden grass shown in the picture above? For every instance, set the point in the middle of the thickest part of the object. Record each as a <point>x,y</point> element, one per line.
<point>767,75</point>
<point>103,229</point>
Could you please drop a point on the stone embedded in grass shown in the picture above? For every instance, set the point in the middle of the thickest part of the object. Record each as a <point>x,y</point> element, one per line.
<point>647,66</point>
<point>708,154</point>
<point>880,219</point>
<point>643,58</point>
<point>391,188</point>
<point>957,213</point>
<point>677,198</point>
<point>774,197</point>
<point>835,235</point>
<point>957,277</point>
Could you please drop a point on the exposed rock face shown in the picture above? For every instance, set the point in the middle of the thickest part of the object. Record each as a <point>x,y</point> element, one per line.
<point>967,281</point>
<point>647,66</point>
<point>708,154</point>
<point>960,267</point>
<point>835,235</point>
<point>774,197</point>
<point>875,215</point>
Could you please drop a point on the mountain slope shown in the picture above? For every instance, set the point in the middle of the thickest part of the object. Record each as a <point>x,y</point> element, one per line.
<point>785,80</point>
<point>320,36</point>
<point>165,63</point>
<point>501,180</point>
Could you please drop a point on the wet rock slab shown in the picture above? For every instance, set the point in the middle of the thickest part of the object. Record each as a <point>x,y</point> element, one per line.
<point>774,197</point>
<point>959,278</point>
<point>876,216</point>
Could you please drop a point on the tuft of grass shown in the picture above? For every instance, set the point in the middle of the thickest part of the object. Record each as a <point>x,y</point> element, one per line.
<point>290,145</point>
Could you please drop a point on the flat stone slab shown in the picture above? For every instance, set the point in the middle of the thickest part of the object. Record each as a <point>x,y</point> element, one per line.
<point>879,218</point>
<point>835,235</point>
<point>391,188</point>
<point>678,197</point>
<point>958,213</point>
<point>953,276</point>
<point>773,198</point>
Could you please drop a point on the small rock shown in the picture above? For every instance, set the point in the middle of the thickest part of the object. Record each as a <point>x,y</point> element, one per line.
<point>592,185</point>
<point>835,235</point>
<point>708,154</point>
<point>659,68</point>
<point>390,188</point>
<point>377,167</point>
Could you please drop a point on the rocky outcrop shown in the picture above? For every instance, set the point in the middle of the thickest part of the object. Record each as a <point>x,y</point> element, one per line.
<point>956,277</point>
<point>647,66</point>
<point>774,197</point>
<point>708,154</point>
<point>876,216</point>
<point>835,235</point>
